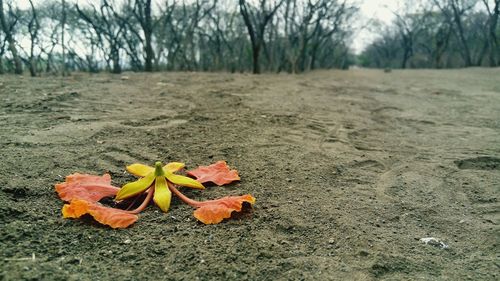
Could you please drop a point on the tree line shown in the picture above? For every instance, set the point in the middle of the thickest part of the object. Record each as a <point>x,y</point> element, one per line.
<point>60,36</point>
<point>200,35</point>
<point>439,34</point>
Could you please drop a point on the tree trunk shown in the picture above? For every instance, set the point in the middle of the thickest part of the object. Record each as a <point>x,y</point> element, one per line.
<point>461,37</point>
<point>437,59</point>
<point>255,55</point>
<point>494,44</point>
<point>32,67</point>
<point>406,57</point>
<point>148,31</point>
<point>33,27</point>
<point>48,68</point>
<point>251,32</point>
<point>63,23</point>
<point>483,52</point>
<point>314,55</point>
<point>115,58</point>
<point>149,54</point>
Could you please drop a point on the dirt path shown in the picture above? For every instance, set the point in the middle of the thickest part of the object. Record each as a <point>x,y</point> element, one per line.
<point>350,170</point>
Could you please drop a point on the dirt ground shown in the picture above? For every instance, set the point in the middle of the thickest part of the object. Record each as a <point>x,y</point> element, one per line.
<point>350,170</point>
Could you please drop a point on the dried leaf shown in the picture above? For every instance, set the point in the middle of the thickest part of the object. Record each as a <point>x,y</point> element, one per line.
<point>87,187</point>
<point>109,216</point>
<point>217,173</point>
<point>214,211</point>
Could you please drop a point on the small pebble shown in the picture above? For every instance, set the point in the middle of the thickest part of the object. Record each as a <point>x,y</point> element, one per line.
<point>364,253</point>
<point>435,242</point>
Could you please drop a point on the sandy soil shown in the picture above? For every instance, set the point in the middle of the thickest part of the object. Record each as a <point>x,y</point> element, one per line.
<point>350,170</point>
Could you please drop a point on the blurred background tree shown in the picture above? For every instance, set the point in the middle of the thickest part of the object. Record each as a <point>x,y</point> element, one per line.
<point>59,36</point>
<point>439,34</point>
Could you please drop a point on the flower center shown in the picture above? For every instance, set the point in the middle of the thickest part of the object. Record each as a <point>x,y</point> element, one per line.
<point>159,169</point>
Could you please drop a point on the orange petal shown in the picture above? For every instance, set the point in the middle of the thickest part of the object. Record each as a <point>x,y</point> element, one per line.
<point>75,209</point>
<point>109,216</point>
<point>217,173</point>
<point>214,211</point>
<point>87,187</point>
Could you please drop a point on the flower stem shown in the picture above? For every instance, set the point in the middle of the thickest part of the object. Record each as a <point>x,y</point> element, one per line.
<point>187,200</point>
<point>144,203</point>
<point>133,202</point>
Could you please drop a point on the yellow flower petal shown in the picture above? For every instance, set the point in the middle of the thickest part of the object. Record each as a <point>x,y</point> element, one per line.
<point>183,181</point>
<point>162,195</point>
<point>140,170</point>
<point>136,187</point>
<point>173,167</point>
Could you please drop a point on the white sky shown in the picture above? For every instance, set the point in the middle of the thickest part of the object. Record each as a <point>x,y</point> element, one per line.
<point>370,10</point>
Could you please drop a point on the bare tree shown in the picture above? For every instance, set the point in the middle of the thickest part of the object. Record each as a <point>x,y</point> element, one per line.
<point>219,29</point>
<point>384,51</point>
<point>63,23</point>
<point>2,51</point>
<point>256,19</point>
<point>138,13</point>
<point>312,29</point>
<point>493,42</point>
<point>330,18</point>
<point>409,24</point>
<point>162,32</point>
<point>107,31</point>
<point>7,27</point>
<point>438,35</point>
<point>446,33</point>
<point>33,28</point>
<point>206,35</point>
<point>455,12</point>
<point>142,11</point>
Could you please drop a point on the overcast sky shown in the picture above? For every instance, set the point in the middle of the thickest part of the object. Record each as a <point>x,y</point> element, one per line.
<point>380,10</point>
<point>370,10</point>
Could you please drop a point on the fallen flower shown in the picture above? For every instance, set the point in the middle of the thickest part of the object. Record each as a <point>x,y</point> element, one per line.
<point>217,173</point>
<point>160,176</point>
<point>84,191</point>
